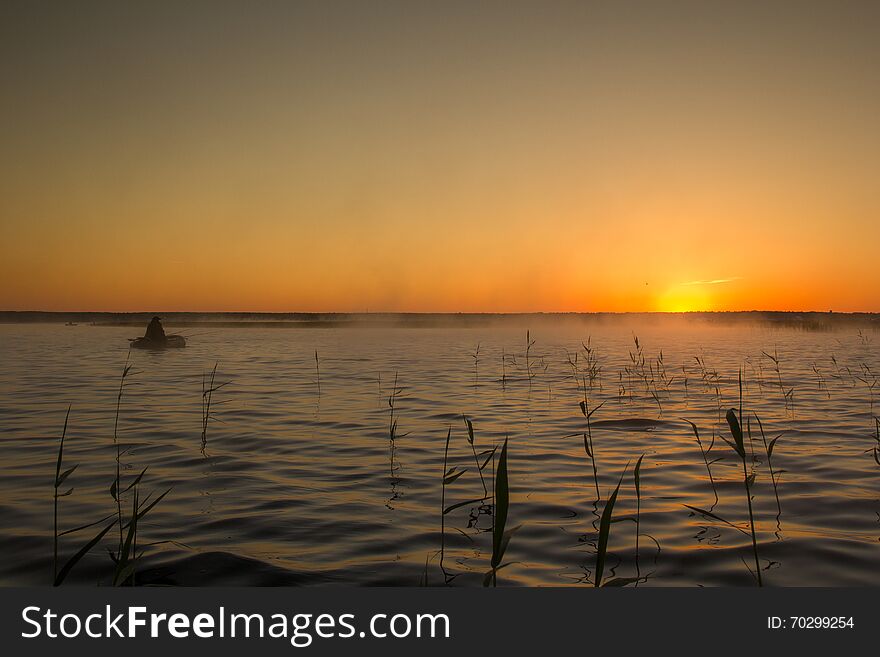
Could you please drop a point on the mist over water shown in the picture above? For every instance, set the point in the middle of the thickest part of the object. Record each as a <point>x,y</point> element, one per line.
<point>297,483</point>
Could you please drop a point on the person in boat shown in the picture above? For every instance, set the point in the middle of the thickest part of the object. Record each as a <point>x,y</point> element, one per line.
<point>155,331</point>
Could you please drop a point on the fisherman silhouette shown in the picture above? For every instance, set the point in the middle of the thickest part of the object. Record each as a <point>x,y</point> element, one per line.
<point>155,331</point>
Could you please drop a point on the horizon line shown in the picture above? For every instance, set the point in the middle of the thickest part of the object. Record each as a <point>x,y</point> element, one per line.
<point>433,312</point>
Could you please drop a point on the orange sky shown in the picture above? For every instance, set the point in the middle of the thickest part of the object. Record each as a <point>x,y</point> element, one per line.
<point>498,157</point>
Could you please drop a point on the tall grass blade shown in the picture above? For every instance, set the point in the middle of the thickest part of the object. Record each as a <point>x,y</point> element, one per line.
<point>59,479</point>
<point>637,482</point>
<point>65,571</point>
<point>502,505</point>
<point>605,532</point>
<point>736,431</point>
<point>500,534</point>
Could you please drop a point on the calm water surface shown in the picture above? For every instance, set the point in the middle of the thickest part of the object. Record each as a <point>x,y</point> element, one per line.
<point>297,486</point>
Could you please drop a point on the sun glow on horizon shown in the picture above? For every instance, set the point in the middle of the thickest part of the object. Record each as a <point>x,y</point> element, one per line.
<point>674,301</point>
<point>435,159</point>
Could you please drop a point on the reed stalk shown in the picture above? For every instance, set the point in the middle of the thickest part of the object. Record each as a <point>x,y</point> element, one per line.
<point>59,480</point>
<point>739,446</point>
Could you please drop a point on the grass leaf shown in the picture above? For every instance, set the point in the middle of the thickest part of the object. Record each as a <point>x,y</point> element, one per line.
<point>82,552</point>
<point>605,531</point>
<point>714,516</point>
<point>64,475</point>
<point>502,503</point>
<point>449,509</point>
<point>637,477</point>
<point>736,432</point>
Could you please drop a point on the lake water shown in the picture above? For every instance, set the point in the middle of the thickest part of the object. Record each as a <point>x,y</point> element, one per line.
<point>297,483</point>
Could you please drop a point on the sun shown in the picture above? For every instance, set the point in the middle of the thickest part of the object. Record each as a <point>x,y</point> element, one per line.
<point>683,299</point>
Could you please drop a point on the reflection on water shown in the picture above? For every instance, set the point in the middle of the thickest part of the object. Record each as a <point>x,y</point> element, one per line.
<point>323,454</point>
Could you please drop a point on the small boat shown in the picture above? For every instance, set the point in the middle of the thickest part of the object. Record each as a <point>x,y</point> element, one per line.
<point>170,342</point>
<point>70,324</point>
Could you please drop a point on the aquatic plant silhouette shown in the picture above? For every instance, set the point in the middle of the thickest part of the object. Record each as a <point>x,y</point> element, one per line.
<point>588,441</point>
<point>660,387</point>
<point>876,449</point>
<point>476,357</point>
<point>500,534</point>
<point>768,452</point>
<point>820,380</point>
<point>208,389</point>
<point>871,382</point>
<point>123,559</point>
<point>604,535</point>
<point>115,487</point>
<point>485,454</point>
<point>637,471</point>
<point>529,344</point>
<point>450,475</point>
<point>318,373</point>
<point>787,392</point>
<point>60,478</point>
<point>705,454</point>
<point>739,446</point>
<point>593,368</point>
<point>393,436</point>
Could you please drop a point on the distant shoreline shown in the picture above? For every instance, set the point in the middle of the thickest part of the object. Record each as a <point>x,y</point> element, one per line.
<point>808,320</point>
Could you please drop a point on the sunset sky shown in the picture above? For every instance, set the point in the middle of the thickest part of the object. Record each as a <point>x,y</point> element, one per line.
<point>445,156</point>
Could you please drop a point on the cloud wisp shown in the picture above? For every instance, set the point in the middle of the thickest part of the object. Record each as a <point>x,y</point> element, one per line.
<point>714,281</point>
